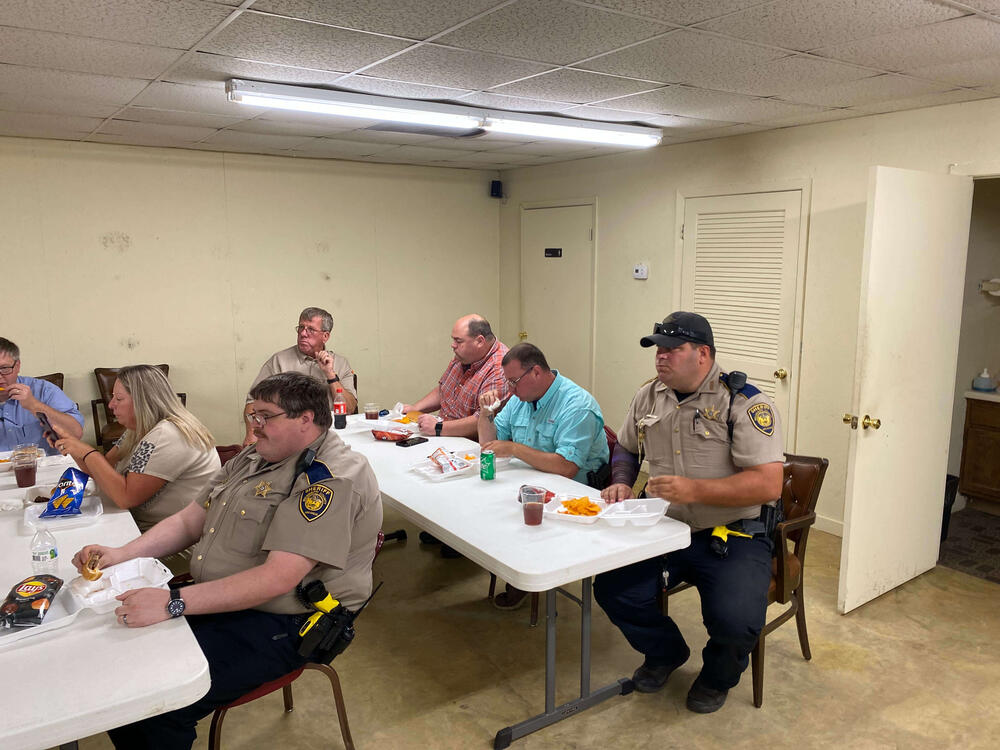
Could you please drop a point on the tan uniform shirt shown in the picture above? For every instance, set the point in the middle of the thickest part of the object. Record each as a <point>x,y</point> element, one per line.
<point>691,440</point>
<point>164,453</point>
<point>292,360</point>
<point>258,507</point>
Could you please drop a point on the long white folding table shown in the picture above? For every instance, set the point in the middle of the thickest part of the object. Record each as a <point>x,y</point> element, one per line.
<point>483,521</point>
<point>93,674</point>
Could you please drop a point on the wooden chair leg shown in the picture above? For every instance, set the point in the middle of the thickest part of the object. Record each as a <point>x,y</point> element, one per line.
<point>215,733</point>
<point>534,610</point>
<point>286,693</point>
<point>800,623</point>
<point>338,697</point>
<point>757,670</point>
<point>493,587</point>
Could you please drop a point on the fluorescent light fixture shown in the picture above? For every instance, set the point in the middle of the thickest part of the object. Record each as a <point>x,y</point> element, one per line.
<point>464,120</point>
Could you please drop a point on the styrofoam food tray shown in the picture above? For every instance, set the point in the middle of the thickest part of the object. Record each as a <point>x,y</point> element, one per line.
<point>645,511</point>
<point>143,572</point>
<point>553,507</point>
<point>388,425</point>
<point>427,468</point>
<point>90,510</point>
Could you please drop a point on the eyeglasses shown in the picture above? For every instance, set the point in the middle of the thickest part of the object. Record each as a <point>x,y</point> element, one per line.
<point>678,332</point>
<point>307,330</point>
<point>261,419</point>
<point>8,369</point>
<point>513,383</point>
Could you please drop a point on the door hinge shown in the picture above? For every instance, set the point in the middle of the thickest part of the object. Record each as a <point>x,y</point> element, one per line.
<point>682,231</point>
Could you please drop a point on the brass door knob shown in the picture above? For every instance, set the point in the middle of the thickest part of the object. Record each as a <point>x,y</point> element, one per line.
<point>781,373</point>
<point>522,335</point>
<point>872,422</point>
<point>851,420</point>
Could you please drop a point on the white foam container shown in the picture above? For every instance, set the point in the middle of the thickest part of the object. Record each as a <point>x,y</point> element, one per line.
<point>553,507</point>
<point>645,511</point>
<point>429,470</point>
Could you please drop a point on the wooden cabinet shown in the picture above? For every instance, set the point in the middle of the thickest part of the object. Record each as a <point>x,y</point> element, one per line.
<point>980,474</point>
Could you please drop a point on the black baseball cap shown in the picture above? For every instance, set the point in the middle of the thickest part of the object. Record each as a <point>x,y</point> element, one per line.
<point>679,327</point>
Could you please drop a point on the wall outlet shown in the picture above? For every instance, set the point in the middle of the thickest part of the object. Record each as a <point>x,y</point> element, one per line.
<point>640,271</point>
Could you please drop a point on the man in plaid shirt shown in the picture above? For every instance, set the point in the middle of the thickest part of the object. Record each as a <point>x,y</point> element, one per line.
<point>475,370</point>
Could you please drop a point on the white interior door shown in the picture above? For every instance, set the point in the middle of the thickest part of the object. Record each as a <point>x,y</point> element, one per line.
<point>739,269</point>
<point>557,287</point>
<point>916,242</point>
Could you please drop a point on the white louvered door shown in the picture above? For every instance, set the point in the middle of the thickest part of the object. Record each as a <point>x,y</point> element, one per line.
<point>739,270</point>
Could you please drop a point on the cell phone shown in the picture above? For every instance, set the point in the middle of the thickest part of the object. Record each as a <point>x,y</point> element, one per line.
<point>46,425</point>
<point>411,441</point>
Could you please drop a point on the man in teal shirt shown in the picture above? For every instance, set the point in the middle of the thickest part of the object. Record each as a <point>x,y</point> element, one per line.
<point>550,423</point>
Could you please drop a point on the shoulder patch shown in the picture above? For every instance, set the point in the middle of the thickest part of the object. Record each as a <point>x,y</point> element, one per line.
<point>314,502</point>
<point>318,471</point>
<point>762,418</point>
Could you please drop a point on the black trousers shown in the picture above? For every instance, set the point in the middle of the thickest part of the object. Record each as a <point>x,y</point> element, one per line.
<point>733,594</point>
<point>244,650</point>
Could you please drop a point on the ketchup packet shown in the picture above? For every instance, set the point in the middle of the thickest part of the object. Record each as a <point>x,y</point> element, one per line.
<point>67,495</point>
<point>549,494</point>
<point>28,601</point>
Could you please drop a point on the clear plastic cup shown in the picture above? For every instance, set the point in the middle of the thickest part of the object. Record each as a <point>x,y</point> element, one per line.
<point>532,505</point>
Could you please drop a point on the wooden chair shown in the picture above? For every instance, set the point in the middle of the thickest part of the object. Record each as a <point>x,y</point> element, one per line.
<point>226,452</point>
<point>612,439</point>
<point>803,479</point>
<point>285,685</point>
<point>112,430</point>
<point>56,378</point>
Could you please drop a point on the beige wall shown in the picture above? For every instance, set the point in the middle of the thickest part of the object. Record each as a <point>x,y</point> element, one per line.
<point>118,255</point>
<point>636,196</point>
<point>979,344</point>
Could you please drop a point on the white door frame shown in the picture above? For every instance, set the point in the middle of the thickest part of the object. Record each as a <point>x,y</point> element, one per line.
<point>804,186</point>
<point>595,263</point>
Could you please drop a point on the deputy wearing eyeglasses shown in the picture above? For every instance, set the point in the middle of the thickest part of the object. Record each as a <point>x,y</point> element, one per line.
<point>715,453</point>
<point>310,357</point>
<point>21,398</point>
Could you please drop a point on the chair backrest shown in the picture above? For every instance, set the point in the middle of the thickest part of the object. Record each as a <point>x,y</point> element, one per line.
<point>803,479</point>
<point>226,452</point>
<point>106,377</point>
<point>56,378</point>
<point>612,441</point>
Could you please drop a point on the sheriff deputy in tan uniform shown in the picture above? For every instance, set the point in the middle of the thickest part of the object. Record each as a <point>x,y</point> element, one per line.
<point>715,453</point>
<point>297,506</point>
<point>310,357</point>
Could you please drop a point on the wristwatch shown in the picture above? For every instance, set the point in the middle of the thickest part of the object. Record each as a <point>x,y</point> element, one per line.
<point>175,607</point>
<point>332,380</point>
<point>438,426</point>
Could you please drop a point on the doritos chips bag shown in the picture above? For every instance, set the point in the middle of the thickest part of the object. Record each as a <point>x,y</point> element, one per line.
<point>67,495</point>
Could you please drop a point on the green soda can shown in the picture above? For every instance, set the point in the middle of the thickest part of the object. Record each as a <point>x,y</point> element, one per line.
<point>487,466</point>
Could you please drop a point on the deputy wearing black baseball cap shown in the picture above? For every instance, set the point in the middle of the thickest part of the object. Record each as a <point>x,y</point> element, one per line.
<point>678,328</point>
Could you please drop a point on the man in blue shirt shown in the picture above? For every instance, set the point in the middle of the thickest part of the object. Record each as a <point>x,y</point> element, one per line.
<point>550,423</point>
<point>21,398</point>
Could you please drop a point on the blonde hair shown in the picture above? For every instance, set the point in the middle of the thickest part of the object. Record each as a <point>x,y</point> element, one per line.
<point>154,400</point>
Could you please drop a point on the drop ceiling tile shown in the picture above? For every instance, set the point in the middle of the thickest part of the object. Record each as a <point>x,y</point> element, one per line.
<point>807,24</point>
<point>287,42</point>
<point>549,148</point>
<point>140,140</point>
<point>230,139</point>
<point>826,115</point>
<point>178,24</point>
<point>982,72</point>
<point>204,99</point>
<point>490,100</point>
<point>711,105</point>
<point>928,100</point>
<point>333,148</point>
<point>866,91</point>
<point>607,114</point>
<point>481,166</point>
<point>681,12</point>
<point>203,68</point>
<point>566,85</point>
<point>26,101</point>
<point>43,49</point>
<point>367,135</point>
<point>967,38</point>
<point>682,57</point>
<point>171,117</point>
<point>484,142</point>
<point>990,6</point>
<point>674,126</point>
<point>418,153</point>
<point>412,20</point>
<point>148,130</point>
<point>492,158</point>
<point>551,31</point>
<point>55,84</point>
<point>30,125</point>
<point>439,66</point>
<point>401,89</point>
<point>777,77</point>
<point>277,127</point>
